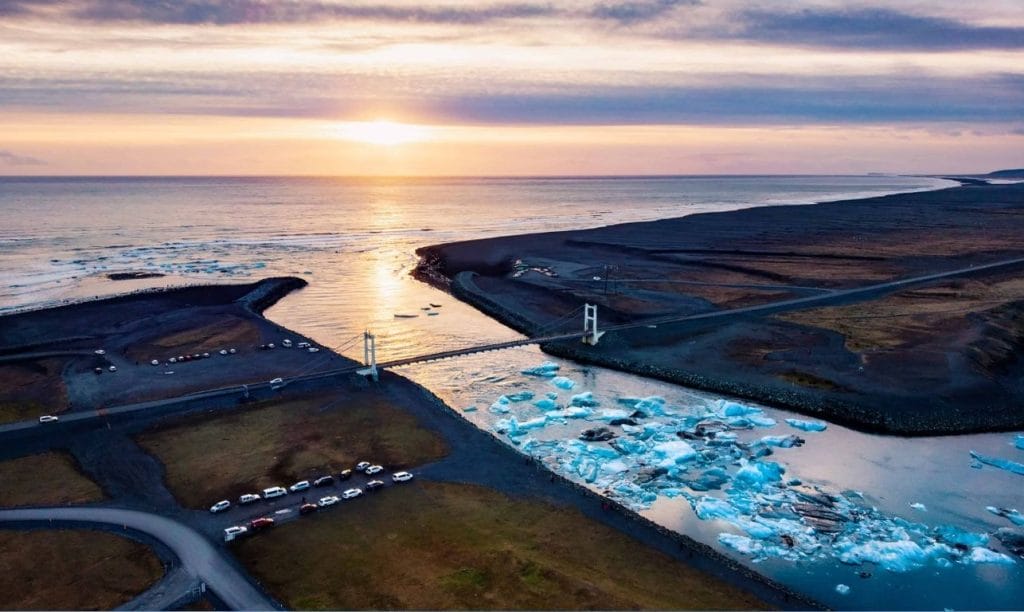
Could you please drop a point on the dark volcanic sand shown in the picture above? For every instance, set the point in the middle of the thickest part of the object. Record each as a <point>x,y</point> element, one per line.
<point>941,359</point>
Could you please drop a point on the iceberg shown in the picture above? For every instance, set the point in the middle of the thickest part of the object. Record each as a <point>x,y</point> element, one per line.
<point>807,425</point>
<point>954,535</point>
<point>897,556</point>
<point>546,404</point>
<point>1003,464</point>
<point>653,405</point>
<point>1013,516</point>
<point>984,555</point>
<point>759,420</point>
<point>919,506</point>
<point>500,405</point>
<point>735,410</point>
<point>777,441</point>
<point>586,399</point>
<point>756,474</point>
<point>522,396</point>
<point>544,370</point>
<point>672,453</point>
<point>563,383</point>
<point>708,508</point>
<point>1019,442</point>
<point>842,589</point>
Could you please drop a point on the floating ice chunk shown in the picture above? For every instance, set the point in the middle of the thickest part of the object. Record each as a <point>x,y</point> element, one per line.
<point>551,395</point>
<point>708,508</point>
<point>776,441</point>
<point>1003,464</point>
<point>755,474</point>
<point>842,589</point>
<point>612,414</point>
<point>630,402</point>
<point>614,467</point>
<point>759,420</point>
<point>653,405</point>
<point>545,370</point>
<point>919,506</point>
<point>546,404</point>
<point>578,412</point>
<point>757,530</point>
<point>469,409</point>
<point>1013,516</point>
<point>563,383</point>
<point>735,410</point>
<point>673,452</point>
<point>746,546</point>
<point>500,405</point>
<point>629,447</point>
<point>585,399</point>
<point>955,535</point>
<point>807,425</point>
<point>713,478</point>
<point>984,555</point>
<point>522,396</point>
<point>897,556</point>
<point>1019,442</point>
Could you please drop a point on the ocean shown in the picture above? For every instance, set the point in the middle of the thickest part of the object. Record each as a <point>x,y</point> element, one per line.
<point>354,241</point>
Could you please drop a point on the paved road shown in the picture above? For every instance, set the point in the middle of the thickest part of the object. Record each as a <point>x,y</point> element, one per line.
<point>198,556</point>
<point>830,299</point>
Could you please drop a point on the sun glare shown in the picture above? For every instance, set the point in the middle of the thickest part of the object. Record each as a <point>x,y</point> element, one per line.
<point>382,132</point>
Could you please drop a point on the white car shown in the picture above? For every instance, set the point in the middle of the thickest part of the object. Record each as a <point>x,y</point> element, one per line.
<point>155,362</point>
<point>362,465</point>
<point>351,493</point>
<point>100,352</point>
<point>301,485</point>
<point>223,351</point>
<point>232,351</point>
<point>374,469</point>
<point>248,498</point>
<point>173,360</point>
<point>313,349</point>
<point>303,345</point>
<point>330,500</point>
<point>286,343</point>
<point>272,492</point>
<point>48,418</point>
<point>112,368</point>
<point>276,383</point>
<point>220,506</point>
<point>233,532</point>
<point>401,476</point>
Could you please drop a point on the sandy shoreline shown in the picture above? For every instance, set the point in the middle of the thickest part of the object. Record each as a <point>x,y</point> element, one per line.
<point>937,360</point>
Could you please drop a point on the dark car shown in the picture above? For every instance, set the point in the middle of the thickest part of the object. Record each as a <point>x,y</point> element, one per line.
<point>373,485</point>
<point>323,481</point>
<point>345,475</point>
<point>261,523</point>
<point>307,508</point>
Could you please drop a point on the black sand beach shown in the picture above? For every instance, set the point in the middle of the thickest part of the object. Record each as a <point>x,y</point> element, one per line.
<point>937,359</point>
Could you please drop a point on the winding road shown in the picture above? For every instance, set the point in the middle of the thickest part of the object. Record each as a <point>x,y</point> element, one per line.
<point>198,557</point>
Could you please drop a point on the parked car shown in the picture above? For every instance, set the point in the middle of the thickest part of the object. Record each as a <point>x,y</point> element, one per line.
<point>344,474</point>
<point>261,523</point>
<point>232,351</point>
<point>313,349</point>
<point>98,370</point>
<point>401,476</point>
<point>276,383</point>
<point>362,465</point>
<point>324,481</point>
<point>48,418</point>
<point>351,493</point>
<point>303,345</point>
<point>330,500</point>
<point>373,485</point>
<point>223,351</point>
<point>220,506</point>
<point>374,469</point>
<point>235,531</point>
<point>155,362</point>
<point>308,508</point>
<point>301,485</point>
<point>248,498</point>
<point>272,492</point>
<point>112,368</point>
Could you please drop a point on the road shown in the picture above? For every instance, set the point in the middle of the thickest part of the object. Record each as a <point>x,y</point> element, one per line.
<point>830,299</point>
<point>201,559</point>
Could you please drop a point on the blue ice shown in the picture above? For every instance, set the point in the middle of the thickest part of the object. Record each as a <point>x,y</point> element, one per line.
<point>807,425</point>
<point>584,399</point>
<point>1003,464</point>
<point>1019,442</point>
<point>545,370</point>
<point>563,383</point>
<point>546,404</point>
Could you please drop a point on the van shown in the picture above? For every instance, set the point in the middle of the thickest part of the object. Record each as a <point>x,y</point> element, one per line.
<point>272,492</point>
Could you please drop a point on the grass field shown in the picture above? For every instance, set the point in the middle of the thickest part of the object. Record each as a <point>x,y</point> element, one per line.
<point>228,332</point>
<point>446,546</point>
<point>72,570</point>
<point>30,389</point>
<point>45,480</point>
<point>222,457</point>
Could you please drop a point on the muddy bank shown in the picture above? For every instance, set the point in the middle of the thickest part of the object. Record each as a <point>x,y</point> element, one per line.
<point>944,358</point>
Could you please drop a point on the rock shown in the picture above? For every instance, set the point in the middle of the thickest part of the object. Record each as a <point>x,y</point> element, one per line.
<point>620,421</point>
<point>597,434</point>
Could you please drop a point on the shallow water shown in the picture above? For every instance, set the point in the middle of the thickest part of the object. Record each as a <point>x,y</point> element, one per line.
<point>354,241</point>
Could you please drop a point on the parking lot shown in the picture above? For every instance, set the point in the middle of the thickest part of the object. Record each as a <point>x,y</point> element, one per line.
<point>288,507</point>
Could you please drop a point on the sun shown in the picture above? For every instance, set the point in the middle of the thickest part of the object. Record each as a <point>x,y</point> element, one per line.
<point>382,132</point>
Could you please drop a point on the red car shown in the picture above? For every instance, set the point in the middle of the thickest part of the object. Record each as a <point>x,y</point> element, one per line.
<point>307,508</point>
<point>261,523</point>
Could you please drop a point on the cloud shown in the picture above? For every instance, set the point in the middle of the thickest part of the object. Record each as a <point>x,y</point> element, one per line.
<point>237,12</point>
<point>637,11</point>
<point>12,159</point>
<point>873,28</point>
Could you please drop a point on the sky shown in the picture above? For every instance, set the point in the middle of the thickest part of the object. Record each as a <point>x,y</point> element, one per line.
<point>513,87</point>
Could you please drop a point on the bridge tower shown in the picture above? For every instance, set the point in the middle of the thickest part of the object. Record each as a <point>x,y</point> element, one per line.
<point>591,335</point>
<point>369,356</point>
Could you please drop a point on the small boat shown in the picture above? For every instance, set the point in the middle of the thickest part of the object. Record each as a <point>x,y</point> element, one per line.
<point>405,316</point>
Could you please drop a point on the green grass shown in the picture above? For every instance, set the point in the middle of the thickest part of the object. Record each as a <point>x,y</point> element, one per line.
<point>72,570</point>
<point>221,457</point>
<point>446,546</point>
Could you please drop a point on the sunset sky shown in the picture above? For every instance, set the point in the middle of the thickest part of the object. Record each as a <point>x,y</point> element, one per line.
<point>508,88</point>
